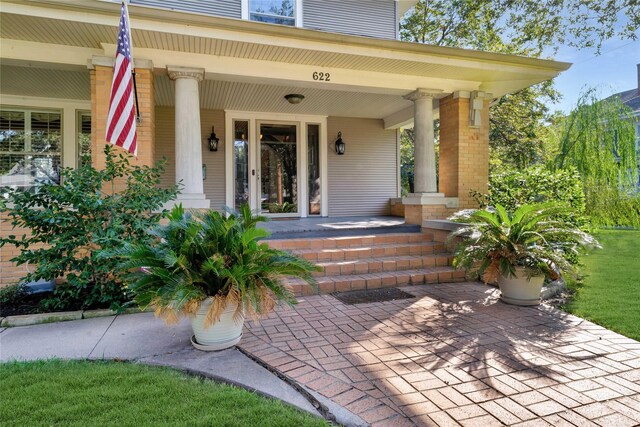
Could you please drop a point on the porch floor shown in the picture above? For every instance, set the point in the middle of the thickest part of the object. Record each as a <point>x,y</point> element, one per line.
<point>282,228</point>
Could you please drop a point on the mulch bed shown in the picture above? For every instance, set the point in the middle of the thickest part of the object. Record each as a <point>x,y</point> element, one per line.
<point>27,304</point>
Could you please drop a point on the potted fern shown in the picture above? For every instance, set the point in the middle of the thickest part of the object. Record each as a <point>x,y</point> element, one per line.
<point>213,268</point>
<point>518,250</point>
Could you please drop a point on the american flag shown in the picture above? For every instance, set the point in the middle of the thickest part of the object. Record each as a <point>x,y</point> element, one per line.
<point>121,123</point>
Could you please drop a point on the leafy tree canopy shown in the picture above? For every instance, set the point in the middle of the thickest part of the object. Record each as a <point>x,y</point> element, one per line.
<point>525,27</point>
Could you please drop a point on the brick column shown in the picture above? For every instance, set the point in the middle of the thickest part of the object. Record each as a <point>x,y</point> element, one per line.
<point>464,147</point>
<point>101,70</point>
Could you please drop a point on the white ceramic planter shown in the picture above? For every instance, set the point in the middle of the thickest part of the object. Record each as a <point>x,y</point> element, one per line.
<point>223,334</point>
<point>519,289</point>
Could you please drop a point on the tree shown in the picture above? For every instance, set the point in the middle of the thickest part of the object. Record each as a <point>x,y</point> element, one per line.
<point>521,27</point>
<point>598,139</point>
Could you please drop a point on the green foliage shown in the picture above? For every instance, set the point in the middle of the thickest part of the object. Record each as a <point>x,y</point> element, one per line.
<point>610,207</point>
<point>520,26</point>
<point>196,256</point>
<point>12,294</point>
<point>495,241</point>
<point>598,139</point>
<point>73,222</point>
<point>99,393</point>
<point>284,207</point>
<point>514,188</point>
<point>517,123</point>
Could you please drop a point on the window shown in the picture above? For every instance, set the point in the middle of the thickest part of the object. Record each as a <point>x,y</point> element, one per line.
<point>283,12</point>
<point>30,145</point>
<point>83,123</point>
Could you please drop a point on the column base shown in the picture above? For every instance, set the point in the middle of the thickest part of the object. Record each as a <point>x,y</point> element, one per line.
<point>420,207</point>
<point>190,201</point>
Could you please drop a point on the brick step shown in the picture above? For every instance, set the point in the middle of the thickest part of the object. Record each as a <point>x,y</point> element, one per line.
<point>328,284</point>
<point>350,241</point>
<point>383,264</point>
<point>371,251</point>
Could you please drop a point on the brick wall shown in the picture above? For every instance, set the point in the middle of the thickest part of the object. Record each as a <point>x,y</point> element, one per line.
<point>100,91</point>
<point>464,151</point>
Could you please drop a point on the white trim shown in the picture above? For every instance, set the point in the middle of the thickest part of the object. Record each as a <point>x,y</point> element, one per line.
<point>244,10</point>
<point>301,121</point>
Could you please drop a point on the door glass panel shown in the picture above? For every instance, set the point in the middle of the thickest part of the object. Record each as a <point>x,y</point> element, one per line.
<point>313,157</point>
<point>278,168</point>
<point>241,162</point>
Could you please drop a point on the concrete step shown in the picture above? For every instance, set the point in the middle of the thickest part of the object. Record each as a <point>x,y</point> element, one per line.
<point>343,283</point>
<point>350,241</point>
<point>371,251</point>
<point>383,264</point>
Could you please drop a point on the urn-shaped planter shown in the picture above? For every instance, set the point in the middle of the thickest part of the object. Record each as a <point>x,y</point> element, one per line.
<point>520,289</point>
<point>222,334</point>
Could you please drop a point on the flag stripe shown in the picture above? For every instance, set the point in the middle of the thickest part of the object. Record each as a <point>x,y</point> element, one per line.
<point>121,123</point>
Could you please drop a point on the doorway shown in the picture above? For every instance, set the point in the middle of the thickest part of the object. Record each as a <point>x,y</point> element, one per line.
<point>276,164</point>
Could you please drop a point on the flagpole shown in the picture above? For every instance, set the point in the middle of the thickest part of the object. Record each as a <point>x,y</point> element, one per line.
<point>133,68</point>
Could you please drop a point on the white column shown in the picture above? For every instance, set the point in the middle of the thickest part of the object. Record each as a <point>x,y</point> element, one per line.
<point>188,141</point>
<point>424,170</point>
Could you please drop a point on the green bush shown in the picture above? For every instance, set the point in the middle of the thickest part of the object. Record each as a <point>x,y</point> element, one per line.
<point>611,207</point>
<point>536,184</point>
<point>73,222</point>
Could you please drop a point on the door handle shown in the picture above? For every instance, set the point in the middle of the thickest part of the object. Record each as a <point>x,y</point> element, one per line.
<point>253,172</point>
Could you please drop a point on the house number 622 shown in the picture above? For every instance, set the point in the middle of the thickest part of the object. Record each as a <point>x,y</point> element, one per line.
<point>324,77</point>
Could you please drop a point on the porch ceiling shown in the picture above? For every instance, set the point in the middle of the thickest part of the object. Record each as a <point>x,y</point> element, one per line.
<point>385,66</point>
<point>242,96</point>
<point>39,80</point>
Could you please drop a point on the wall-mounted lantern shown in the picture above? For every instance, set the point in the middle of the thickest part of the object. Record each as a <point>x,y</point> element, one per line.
<point>213,140</point>
<point>340,145</point>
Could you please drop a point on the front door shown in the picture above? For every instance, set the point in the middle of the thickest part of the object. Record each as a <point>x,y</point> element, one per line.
<point>278,167</point>
<point>277,176</point>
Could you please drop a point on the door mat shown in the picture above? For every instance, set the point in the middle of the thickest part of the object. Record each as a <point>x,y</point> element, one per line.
<point>371,295</point>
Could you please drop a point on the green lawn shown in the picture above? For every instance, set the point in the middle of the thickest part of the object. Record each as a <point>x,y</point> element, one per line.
<point>111,393</point>
<point>610,292</point>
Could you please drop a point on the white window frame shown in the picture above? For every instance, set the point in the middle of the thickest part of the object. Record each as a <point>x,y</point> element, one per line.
<point>28,111</point>
<point>298,12</point>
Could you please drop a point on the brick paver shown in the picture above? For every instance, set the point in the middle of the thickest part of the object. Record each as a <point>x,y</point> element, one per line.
<point>454,355</point>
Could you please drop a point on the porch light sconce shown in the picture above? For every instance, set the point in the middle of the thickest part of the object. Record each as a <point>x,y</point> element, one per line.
<point>294,98</point>
<point>340,145</point>
<point>213,140</point>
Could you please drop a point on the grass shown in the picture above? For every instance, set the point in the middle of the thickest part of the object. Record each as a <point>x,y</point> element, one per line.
<point>76,393</point>
<point>609,295</point>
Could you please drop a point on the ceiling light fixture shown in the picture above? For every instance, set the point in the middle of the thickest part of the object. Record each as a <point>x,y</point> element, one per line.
<point>294,98</point>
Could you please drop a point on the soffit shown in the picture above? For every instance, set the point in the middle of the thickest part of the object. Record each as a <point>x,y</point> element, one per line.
<point>224,95</point>
<point>45,82</point>
<point>214,95</point>
<point>73,33</point>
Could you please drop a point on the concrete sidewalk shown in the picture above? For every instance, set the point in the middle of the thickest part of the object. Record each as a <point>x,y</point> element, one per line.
<point>142,338</point>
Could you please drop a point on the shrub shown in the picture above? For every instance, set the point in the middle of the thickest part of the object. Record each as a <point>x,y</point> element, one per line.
<point>536,184</point>
<point>611,207</point>
<point>72,222</point>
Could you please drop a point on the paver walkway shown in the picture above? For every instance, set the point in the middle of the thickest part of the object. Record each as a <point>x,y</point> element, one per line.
<point>455,355</point>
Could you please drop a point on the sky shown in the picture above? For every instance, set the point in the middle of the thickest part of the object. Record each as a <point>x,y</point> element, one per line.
<point>613,71</point>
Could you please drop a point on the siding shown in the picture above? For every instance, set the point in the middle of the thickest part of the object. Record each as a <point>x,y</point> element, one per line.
<point>361,181</point>
<point>226,8</point>
<point>214,186</point>
<point>371,18</point>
